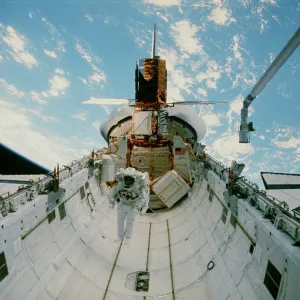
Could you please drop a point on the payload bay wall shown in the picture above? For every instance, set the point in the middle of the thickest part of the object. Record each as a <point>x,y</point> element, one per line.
<point>199,249</point>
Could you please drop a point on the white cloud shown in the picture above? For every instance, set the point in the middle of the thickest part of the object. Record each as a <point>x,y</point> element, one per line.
<point>50,27</point>
<point>212,120</point>
<point>96,125</point>
<point>292,142</point>
<point>236,48</point>
<point>58,85</point>
<point>163,2</point>
<point>61,46</point>
<point>140,41</point>
<point>287,137</point>
<point>163,16</point>
<point>93,60</point>
<point>17,47</point>
<point>268,130</point>
<point>106,108</point>
<point>262,137</point>
<point>56,38</point>
<point>15,120</point>
<point>178,80</point>
<point>51,54</point>
<point>237,104</point>
<point>87,54</point>
<point>89,17</point>
<point>211,76</point>
<point>181,80</point>
<point>97,77</point>
<point>84,81</point>
<point>1,58</point>
<point>272,2</point>
<point>13,39</point>
<point>171,56</point>
<point>184,34</point>
<point>209,131</point>
<point>11,89</point>
<point>37,97</point>
<point>39,114</point>
<point>221,16</point>
<point>41,147</point>
<point>202,91</point>
<point>174,93</point>
<point>80,116</point>
<point>59,71</point>
<point>229,148</point>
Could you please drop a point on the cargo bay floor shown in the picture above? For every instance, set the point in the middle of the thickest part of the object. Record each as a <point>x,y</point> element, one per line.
<point>192,251</point>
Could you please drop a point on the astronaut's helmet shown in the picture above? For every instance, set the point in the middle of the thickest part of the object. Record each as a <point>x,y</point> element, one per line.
<point>129,176</point>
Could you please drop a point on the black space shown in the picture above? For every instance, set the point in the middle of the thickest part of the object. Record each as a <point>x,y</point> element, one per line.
<point>12,163</point>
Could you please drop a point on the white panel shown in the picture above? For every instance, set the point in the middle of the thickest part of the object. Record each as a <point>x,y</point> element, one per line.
<point>59,279</point>
<point>45,296</point>
<point>247,290</point>
<point>142,122</point>
<point>34,212</point>
<point>133,258</point>
<point>199,290</point>
<point>78,288</point>
<point>43,262</point>
<point>38,292</point>
<point>23,286</point>
<point>17,245</point>
<point>76,251</point>
<point>160,282</point>
<point>291,197</point>
<point>17,267</point>
<point>237,255</point>
<point>170,188</point>
<point>279,178</point>
<point>63,237</point>
<point>94,268</point>
<point>38,241</point>
<point>213,215</point>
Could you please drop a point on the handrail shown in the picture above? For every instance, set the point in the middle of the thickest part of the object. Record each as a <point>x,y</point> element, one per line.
<point>39,186</point>
<point>264,201</point>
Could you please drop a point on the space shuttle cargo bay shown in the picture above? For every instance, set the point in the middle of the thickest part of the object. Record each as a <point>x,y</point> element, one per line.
<point>196,250</point>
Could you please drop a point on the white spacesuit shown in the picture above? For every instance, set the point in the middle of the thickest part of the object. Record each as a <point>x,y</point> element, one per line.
<point>132,194</point>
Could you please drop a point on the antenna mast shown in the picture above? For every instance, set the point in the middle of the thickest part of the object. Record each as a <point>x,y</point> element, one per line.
<point>154,41</point>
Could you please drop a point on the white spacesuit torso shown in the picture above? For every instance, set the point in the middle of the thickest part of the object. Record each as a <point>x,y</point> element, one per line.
<point>128,195</point>
<point>133,196</point>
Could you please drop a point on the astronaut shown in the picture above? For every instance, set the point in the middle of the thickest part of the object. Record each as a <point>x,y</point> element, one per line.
<point>132,195</point>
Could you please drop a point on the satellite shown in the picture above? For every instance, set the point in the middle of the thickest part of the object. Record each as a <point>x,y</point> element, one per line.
<point>150,85</point>
<point>151,134</point>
